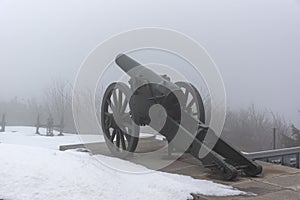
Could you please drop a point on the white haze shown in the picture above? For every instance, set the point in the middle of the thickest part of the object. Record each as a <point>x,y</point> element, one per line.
<point>256,44</point>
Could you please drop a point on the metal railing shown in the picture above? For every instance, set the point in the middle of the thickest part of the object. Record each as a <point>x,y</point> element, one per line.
<point>287,156</point>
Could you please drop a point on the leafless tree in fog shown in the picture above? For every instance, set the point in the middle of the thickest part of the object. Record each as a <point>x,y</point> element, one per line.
<point>252,130</point>
<point>58,101</point>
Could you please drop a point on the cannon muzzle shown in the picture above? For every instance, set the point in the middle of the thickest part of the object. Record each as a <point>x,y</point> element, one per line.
<point>126,63</point>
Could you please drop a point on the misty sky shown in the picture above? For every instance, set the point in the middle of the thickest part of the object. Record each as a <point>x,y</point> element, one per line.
<point>256,44</point>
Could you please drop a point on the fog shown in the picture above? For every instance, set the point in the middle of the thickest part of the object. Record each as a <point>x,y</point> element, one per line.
<point>255,44</point>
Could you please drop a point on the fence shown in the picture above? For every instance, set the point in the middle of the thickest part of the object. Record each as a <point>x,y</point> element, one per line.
<point>287,156</point>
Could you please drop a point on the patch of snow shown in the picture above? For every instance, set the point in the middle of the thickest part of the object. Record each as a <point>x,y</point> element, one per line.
<point>23,135</point>
<point>32,169</point>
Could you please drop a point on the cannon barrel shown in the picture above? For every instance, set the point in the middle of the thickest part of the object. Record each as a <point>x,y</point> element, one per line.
<point>126,63</point>
<point>136,70</point>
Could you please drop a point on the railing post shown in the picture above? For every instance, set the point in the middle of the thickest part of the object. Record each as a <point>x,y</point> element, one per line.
<point>274,138</point>
<point>298,160</point>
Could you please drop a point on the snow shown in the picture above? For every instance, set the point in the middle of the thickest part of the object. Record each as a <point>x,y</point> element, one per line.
<point>23,135</point>
<point>33,169</point>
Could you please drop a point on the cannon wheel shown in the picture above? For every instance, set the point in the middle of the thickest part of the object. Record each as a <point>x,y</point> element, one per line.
<point>120,132</point>
<point>193,102</point>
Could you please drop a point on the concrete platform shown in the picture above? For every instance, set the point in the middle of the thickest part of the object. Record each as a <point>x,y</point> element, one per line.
<point>276,182</point>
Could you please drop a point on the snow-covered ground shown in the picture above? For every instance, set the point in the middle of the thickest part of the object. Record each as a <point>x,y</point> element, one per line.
<point>26,136</point>
<point>31,168</point>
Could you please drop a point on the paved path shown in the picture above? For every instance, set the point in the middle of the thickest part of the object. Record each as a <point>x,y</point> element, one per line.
<point>275,183</point>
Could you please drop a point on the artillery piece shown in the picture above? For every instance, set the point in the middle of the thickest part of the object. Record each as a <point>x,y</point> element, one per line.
<point>124,109</point>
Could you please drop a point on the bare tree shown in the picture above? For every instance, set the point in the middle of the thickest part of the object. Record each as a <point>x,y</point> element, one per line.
<point>252,129</point>
<point>58,101</point>
<point>86,108</point>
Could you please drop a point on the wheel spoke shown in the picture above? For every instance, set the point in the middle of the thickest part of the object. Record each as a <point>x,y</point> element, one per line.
<point>122,140</point>
<point>107,119</point>
<point>115,99</point>
<point>186,94</point>
<point>111,105</point>
<point>130,132</point>
<point>190,104</point>
<point>120,100</point>
<point>128,137</point>
<point>190,91</point>
<point>113,136</point>
<point>118,139</point>
<point>130,128</point>
<point>123,107</point>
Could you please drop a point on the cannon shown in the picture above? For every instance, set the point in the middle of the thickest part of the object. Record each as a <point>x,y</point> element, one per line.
<point>126,108</point>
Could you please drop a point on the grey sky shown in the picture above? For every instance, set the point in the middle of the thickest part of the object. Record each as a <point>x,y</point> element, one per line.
<point>256,44</point>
